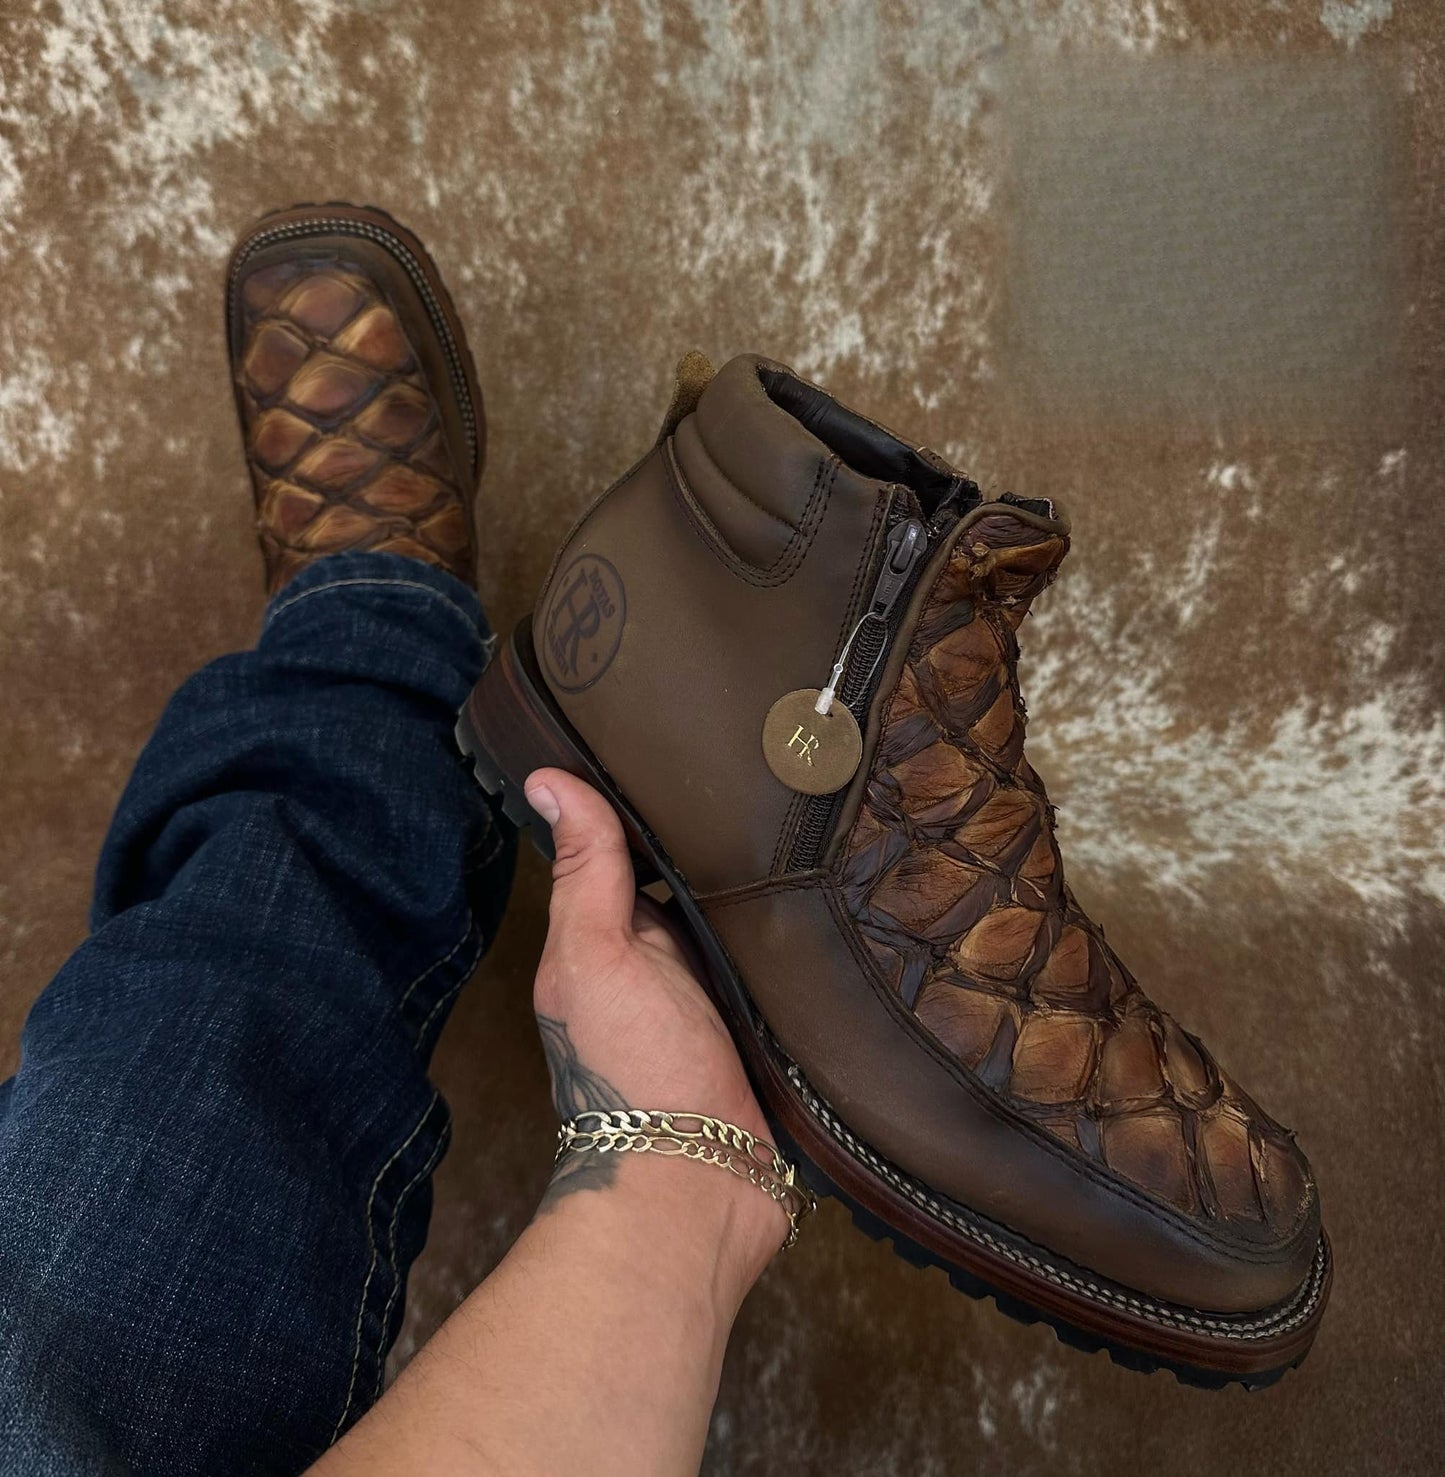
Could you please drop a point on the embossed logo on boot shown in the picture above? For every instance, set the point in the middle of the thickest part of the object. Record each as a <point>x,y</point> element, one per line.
<point>584,623</point>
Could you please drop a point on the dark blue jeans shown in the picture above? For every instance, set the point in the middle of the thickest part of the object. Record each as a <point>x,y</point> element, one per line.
<point>215,1156</point>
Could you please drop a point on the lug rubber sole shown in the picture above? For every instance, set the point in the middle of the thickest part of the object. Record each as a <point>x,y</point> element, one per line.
<point>510,726</point>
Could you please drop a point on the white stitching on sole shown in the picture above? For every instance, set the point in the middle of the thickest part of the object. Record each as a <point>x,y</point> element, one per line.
<point>1296,1312</point>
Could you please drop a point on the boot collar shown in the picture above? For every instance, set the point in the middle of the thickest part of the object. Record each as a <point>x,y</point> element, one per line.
<point>771,434</point>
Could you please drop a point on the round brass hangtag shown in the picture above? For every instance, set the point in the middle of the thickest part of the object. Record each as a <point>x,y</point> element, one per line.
<point>811,752</point>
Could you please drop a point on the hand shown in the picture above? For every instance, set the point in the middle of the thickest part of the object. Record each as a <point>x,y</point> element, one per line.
<point>626,1024</point>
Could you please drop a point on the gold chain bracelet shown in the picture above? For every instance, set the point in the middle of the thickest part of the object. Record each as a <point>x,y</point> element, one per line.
<point>693,1136</point>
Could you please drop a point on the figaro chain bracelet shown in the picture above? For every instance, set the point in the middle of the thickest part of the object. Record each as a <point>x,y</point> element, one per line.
<point>693,1136</point>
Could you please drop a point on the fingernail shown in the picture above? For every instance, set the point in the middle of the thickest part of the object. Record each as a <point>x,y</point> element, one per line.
<point>544,802</point>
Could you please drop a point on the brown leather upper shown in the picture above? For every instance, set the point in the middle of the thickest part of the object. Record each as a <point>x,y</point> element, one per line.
<point>738,544</point>
<point>931,975</point>
<point>953,877</point>
<point>344,422</point>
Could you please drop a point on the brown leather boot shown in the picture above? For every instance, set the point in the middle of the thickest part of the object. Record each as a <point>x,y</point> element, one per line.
<point>358,400</point>
<point>933,1025</point>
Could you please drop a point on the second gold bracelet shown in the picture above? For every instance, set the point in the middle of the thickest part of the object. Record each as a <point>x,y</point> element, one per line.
<point>693,1136</point>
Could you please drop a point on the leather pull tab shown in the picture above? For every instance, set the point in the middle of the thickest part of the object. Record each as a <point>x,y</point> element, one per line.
<point>694,370</point>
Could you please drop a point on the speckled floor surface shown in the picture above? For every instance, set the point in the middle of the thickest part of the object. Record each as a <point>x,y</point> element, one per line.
<point>1236,687</point>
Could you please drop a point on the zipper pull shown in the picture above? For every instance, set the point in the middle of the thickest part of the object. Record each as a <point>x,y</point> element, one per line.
<point>811,741</point>
<point>907,543</point>
<point>906,546</point>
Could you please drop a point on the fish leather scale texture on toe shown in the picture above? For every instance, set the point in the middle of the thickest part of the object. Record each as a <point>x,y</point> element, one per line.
<point>345,434</point>
<point>953,876</point>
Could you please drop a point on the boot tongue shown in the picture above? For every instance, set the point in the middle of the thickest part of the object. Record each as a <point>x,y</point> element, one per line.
<point>1007,552</point>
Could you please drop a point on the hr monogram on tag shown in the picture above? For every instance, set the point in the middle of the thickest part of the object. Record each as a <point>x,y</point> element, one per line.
<point>811,752</point>
<point>804,746</point>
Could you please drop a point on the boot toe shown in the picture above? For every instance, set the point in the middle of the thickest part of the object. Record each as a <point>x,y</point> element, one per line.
<point>353,393</point>
<point>1141,1106</point>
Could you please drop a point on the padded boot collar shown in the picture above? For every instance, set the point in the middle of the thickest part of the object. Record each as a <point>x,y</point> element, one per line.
<point>769,432</point>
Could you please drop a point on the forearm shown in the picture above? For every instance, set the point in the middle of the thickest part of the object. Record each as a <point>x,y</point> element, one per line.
<point>595,1346</point>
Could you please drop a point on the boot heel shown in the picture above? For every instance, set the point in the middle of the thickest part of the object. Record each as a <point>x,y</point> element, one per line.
<point>510,726</point>
<point>494,781</point>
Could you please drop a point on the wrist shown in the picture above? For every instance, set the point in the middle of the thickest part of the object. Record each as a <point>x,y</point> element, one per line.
<point>682,1227</point>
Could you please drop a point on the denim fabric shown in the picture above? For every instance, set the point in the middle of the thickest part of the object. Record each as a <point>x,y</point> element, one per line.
<point>215,1156</point>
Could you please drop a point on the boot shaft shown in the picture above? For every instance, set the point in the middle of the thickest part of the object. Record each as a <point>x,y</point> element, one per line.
<point>730,568</point>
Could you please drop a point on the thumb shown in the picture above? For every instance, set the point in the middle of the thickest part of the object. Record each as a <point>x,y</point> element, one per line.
<point>594,889</point>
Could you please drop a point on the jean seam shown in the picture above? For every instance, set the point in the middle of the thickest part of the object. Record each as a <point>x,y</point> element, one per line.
<point>450,994</point>
<point>498,840</point>
<point>373,580</point>
<point>431,1163</point>
<point>437,964</point>
<point>371,1265</point>
<point>489,833</point>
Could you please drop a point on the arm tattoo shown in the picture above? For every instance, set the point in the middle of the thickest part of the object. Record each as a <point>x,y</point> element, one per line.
<point>576,1088</point>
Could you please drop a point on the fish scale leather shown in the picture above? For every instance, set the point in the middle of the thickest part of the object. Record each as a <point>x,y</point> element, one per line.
<point>953,877</point>
<point>343,434</point>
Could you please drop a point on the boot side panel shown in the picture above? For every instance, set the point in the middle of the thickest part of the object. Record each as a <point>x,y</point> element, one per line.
<point>665,645</point>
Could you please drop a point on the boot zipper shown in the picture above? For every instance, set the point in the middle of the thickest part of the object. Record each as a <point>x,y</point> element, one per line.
<point>908,543</point>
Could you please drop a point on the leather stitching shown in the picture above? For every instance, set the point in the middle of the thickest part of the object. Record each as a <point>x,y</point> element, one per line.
<point>1058,1028</point>
<point>785,835</point>
<point>999,1109</point>
<point>1294,1311</point>
<point>742,492</point>
<point>985,1098</point>
<point>790,559</point>
<point>371,1265</point>
<point>727,897</point>
<point>788,831</point>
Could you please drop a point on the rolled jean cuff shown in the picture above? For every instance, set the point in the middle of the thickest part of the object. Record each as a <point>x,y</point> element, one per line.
<point>407,578</point>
